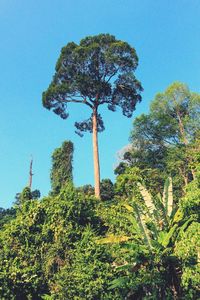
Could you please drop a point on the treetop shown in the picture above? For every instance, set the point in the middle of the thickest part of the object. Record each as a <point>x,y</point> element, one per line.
<point>100,70</point>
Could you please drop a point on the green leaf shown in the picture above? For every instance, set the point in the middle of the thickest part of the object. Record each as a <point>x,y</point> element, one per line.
<point>119,282</point>
<point>166,238</point>
<point>112,239</point>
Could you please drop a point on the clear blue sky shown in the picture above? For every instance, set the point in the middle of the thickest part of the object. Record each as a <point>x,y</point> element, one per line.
<point>165,34</point>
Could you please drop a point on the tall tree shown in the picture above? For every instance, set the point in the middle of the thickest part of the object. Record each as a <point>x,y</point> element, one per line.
<point>100,70</point>
<point>177,111</point>
<point>164,140</point>
<point>61,171</point>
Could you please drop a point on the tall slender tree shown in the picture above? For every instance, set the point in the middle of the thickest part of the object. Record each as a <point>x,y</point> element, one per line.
<point>100,70</point>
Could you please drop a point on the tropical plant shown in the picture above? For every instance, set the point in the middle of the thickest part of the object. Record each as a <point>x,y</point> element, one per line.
<point>146,265</point>
<point>187,245</point>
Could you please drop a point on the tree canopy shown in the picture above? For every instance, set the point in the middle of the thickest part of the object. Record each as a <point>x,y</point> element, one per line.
<point>164,140</point>
<point>98,71</point>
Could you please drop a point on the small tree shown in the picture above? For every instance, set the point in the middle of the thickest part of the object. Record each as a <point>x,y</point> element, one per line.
<point>25,194</point>
<point>98,71</point>
<point>61,171</point>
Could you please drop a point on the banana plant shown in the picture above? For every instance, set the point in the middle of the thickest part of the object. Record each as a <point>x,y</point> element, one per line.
<point>154,230</point>
<point>147,216</point>
<point>158,212</point>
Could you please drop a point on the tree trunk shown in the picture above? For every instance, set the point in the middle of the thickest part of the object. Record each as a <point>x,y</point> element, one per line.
<point>96,153</point>
<point>185,141</point>
<point>184,176</point>
<point>182,129</point>
<point>31,174</point>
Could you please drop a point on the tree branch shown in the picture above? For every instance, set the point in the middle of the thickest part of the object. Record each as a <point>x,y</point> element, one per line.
<point>111,75</point>
<point>84,101</point>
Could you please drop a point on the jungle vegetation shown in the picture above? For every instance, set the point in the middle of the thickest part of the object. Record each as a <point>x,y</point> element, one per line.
<point>141,241</point>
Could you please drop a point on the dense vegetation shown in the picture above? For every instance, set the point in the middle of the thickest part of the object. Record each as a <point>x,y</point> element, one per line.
<point>141,241</point>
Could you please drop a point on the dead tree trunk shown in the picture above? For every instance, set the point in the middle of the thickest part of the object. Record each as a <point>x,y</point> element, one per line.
<point>31,174</point>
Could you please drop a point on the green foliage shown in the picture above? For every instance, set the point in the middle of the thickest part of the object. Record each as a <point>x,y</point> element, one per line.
<point>180,106</point>
<point>49,239</point>
<point>61,172</point>
<point>165,140</point>
<point>87,190</point>
<point>71,246</point>
<point>100,70</point>
<point>107,189</point>
<point>190,203</point>
<point>25,195</point>
<point>187,246</point>
<point>142,241</point>
<point>157,262</point>
<point>126,183</point>
<point>20,263</point>
<point>6,215</point>
<point>35,194</point>
<point>87,274</point>
<point>187,250</point>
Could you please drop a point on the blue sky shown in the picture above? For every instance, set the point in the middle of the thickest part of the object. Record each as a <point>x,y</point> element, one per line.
<point>166,36</point>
